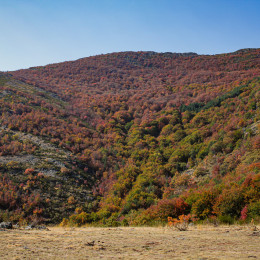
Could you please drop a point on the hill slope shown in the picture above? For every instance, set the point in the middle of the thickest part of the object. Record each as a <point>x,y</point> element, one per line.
<point>152,134</point>
<point>37,176</point>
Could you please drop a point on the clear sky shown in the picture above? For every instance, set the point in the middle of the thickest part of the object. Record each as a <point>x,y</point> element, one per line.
<point>38,32</point>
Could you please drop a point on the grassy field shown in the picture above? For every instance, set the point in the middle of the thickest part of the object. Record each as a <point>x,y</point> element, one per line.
<point>199,242</point>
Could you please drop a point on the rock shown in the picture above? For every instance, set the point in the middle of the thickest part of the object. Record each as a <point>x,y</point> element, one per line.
<point>255,233</point>
<point>29,227</point>
<point>92,243</point>
<point>41,228</point>
<point>180,238</point>
<point>16,226</point>
<point>32,226</point>
<point>6,225</point>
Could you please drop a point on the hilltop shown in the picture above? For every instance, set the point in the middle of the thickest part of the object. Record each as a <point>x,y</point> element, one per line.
<point>132,138</point>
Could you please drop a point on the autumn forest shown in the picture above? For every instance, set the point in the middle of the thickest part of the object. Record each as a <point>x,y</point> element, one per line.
<point>132,138</point>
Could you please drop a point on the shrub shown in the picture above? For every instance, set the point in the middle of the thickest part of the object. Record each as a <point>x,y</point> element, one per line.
<point>226,219</point>
<point>244,212</point>
<point>212,220</point>
<point>230,202</point>
<point>203,202</point>
<point>167,208</point>
<point>29,171</point>
<point>254,210</point>
<point>64,222</point>
<point>180,223</point>
<point>200,172</point>
<point>77,220</point>
<point>71,200</point>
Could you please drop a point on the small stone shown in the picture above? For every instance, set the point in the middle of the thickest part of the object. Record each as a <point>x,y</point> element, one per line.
<point>29,227</point>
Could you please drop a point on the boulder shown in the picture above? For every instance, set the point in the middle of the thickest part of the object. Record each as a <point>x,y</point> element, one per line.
<point>6,225</point>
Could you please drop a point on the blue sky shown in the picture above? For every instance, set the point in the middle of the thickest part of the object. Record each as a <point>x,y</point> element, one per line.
<point>39,32</point>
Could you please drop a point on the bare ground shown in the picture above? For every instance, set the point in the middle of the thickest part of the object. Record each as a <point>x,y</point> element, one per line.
<point>199,242</point>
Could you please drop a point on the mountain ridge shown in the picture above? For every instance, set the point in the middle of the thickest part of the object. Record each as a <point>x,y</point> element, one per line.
<point>177,54</point>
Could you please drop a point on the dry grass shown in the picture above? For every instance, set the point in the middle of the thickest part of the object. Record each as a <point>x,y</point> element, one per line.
<point>201,242</point>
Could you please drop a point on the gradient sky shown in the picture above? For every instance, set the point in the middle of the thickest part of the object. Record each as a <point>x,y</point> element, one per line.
<point>39,32</point>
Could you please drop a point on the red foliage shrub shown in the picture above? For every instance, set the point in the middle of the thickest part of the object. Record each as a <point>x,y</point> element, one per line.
<point>167,208</point>
<point>29,171</point>
<point>244,213</point>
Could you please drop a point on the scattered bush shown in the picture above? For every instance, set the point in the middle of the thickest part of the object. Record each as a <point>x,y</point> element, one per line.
<point>181,223</point>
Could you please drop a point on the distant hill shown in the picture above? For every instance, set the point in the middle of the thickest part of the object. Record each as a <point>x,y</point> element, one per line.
<point>132,138</point>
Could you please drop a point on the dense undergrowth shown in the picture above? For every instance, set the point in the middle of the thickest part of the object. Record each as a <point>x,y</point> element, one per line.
<point>133,138</point>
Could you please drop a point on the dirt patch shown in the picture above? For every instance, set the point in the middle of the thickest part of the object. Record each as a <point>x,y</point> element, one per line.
<point>130,243</point>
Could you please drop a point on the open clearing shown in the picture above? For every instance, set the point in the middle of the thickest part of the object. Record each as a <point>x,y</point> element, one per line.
<point>199,242</point>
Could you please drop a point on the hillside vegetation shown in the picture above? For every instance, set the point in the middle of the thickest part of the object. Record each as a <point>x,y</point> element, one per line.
<point>132,138</point>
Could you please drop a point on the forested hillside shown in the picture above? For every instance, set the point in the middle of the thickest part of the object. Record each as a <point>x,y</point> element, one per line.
<point>132,138</point>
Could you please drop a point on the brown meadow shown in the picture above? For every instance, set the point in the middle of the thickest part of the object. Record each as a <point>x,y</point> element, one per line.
<point>199,242</point>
